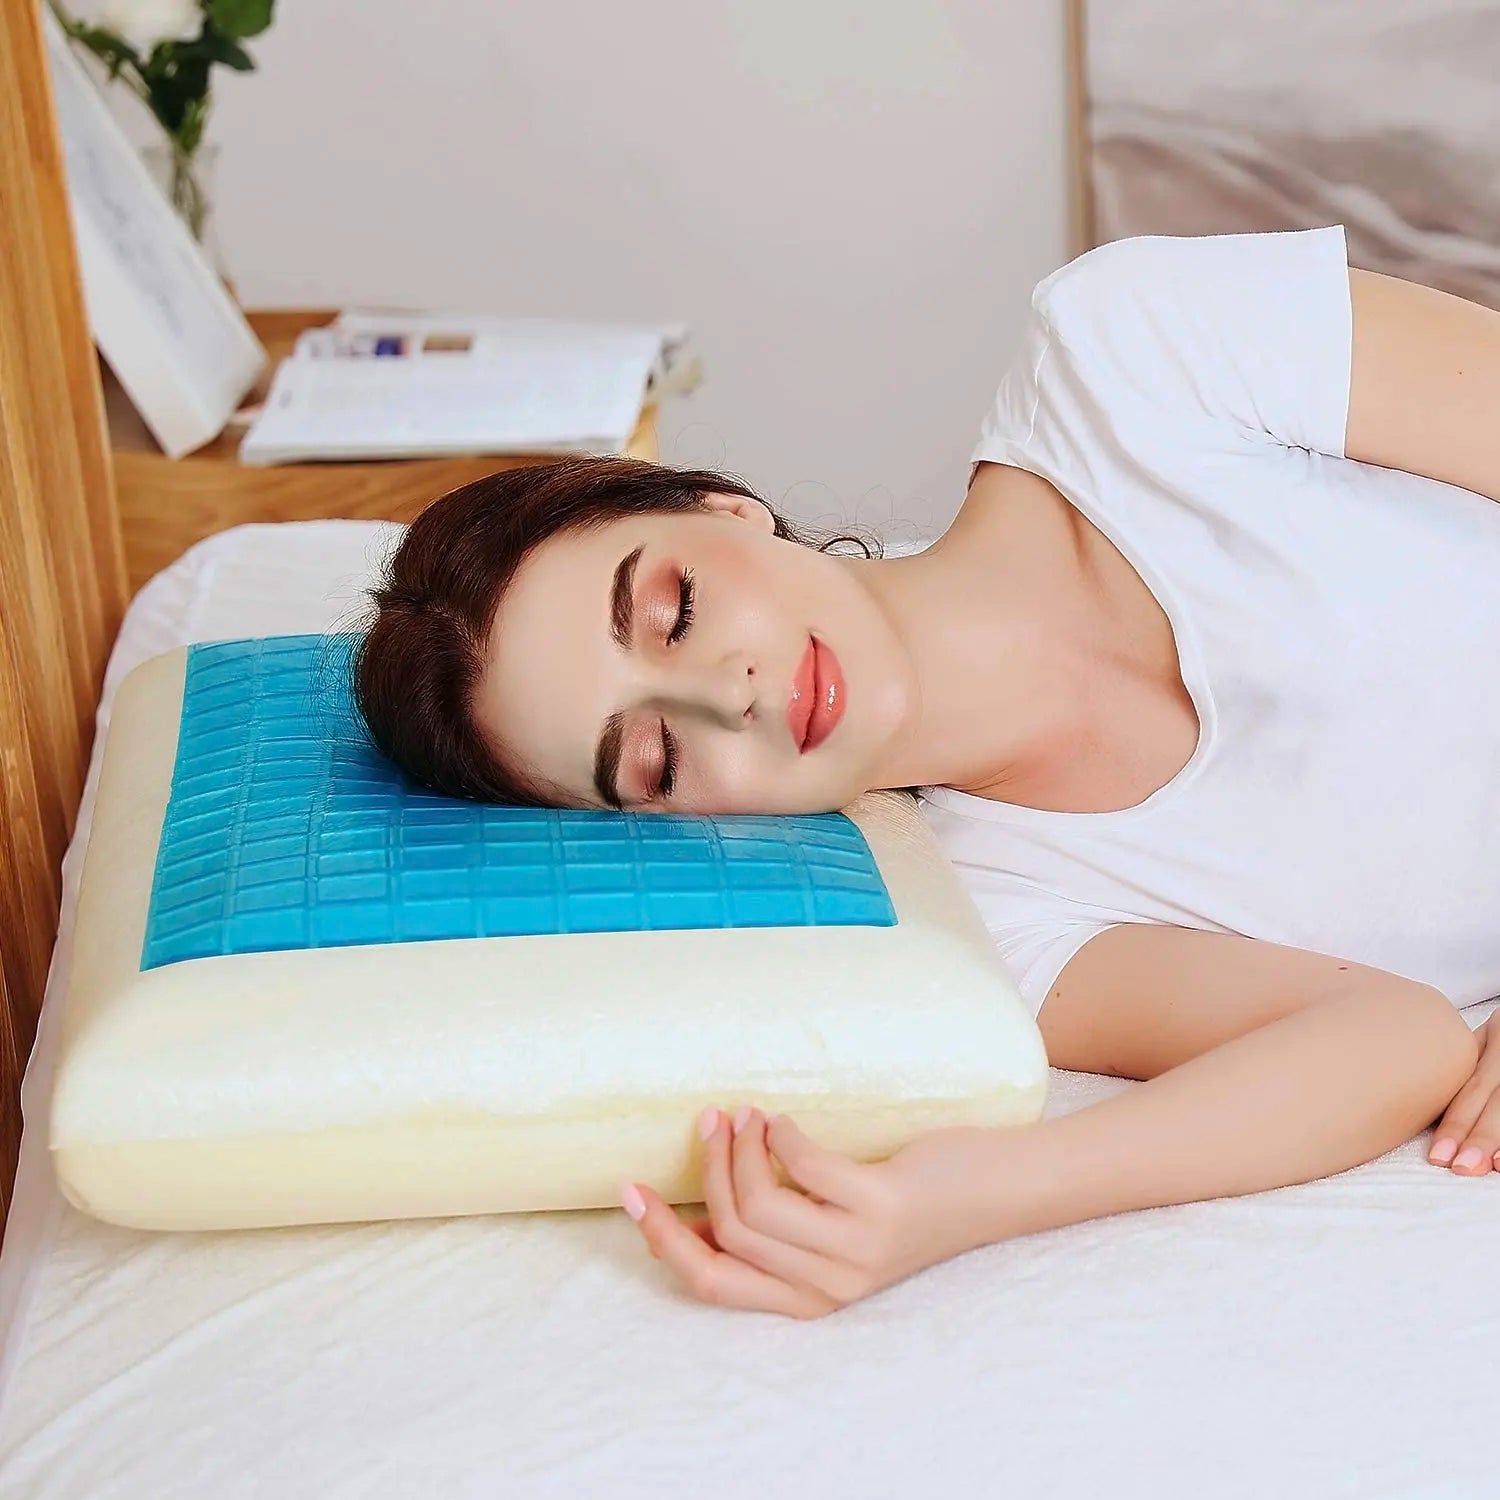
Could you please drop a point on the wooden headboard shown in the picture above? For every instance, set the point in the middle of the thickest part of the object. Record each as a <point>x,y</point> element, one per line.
<point>62,566</point>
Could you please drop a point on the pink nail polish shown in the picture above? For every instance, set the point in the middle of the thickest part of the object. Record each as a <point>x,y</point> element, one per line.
<point>742,1118</point>
<point>708,1122</point>
<point>1443,1151</point>
<point>635,1205</point>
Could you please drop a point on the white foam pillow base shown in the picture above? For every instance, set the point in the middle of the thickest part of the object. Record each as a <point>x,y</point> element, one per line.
<point>484,1075</point>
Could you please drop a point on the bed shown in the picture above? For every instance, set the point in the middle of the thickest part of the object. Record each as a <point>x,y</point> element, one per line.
<point>1333,1339</point>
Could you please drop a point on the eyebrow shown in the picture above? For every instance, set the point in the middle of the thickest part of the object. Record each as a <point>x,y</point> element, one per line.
<point>621,627</point>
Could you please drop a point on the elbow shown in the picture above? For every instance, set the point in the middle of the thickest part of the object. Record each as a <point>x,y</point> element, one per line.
<point>1454,1047</point>
<point>1428,1051</point>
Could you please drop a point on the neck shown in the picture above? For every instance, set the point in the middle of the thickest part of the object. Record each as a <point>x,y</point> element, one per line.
<point>997,653</point>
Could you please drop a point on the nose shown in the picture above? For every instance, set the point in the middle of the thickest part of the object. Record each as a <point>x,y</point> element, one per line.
<point>724,690</point>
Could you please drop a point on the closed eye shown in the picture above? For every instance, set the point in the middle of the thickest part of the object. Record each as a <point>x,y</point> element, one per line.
<point>685,596</point>
<point>669,762</point>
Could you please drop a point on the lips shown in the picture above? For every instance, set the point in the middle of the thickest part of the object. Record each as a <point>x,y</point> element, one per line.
<point>817,699</point>
<point>804,685</point>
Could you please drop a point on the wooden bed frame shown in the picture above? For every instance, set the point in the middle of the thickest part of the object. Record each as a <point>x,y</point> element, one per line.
<point>62,562</point>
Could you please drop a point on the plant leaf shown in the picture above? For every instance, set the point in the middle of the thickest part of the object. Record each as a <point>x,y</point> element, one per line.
<point>175,86</point>
<point>240,18</point>
<point>222,49</point>
<point>106,45</point>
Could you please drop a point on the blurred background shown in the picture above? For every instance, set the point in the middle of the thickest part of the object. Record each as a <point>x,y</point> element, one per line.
<point>847,203</point>
<point>1383,115</point>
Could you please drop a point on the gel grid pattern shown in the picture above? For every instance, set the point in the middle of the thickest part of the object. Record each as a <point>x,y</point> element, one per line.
<point>286,829</point>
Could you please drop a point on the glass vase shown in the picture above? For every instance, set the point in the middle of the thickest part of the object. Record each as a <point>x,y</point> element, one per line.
<point>188,180</point>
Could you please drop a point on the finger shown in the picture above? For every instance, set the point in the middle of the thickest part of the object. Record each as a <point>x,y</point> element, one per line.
<point>728,1168</point>
<point>832,1176</point>
<point>703,1227</point>
<point>1460,1118</point>
<point>697,1224</point>
<point>715,1275</point>
<point>1476,1156</point>
<point>778,1210</point>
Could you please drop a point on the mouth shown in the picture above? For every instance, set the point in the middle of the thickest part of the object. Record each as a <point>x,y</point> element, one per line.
<point>817,699</point>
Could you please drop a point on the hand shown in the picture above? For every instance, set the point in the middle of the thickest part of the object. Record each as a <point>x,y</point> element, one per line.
<point>1468,1135</point>
<point>837,1231</point>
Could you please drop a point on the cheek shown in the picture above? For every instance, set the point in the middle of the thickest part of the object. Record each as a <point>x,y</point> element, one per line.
<point>736,774</point>
<point>729,769</point>
<point>748,588</point>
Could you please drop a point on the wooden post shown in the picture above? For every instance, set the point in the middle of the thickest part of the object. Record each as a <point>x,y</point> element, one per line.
<point>62,571</point>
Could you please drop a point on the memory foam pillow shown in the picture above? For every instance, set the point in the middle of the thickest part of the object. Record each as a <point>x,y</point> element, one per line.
<point>306,990</point>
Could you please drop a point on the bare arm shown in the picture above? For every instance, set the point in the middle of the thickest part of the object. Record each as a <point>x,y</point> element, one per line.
<point>1323,1089</point>
<point>1264,1065</point>
<point>1424,382</point>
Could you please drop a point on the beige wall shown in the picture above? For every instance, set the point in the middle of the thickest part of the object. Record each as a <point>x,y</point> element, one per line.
<point>848,200</point>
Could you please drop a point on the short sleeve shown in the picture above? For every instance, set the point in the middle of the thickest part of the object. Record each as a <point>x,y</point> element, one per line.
<point>1225,338</point>
<point>1034,953</point>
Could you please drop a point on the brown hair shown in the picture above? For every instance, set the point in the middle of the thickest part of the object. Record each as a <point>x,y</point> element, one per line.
<point>416,667</point>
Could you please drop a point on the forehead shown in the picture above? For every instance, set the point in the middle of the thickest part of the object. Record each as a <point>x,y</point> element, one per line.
<point>562,588</point>
<point>567,580</point>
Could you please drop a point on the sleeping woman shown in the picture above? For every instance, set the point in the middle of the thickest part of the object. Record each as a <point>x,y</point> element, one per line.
<point>1200,692</point>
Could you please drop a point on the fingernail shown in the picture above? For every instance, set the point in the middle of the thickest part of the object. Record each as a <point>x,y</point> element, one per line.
<point>741,1118</point>
<point>708,1122</point>
<point>1470,1156</point>
<point>1444,1150</point>
<point>635,1205</point>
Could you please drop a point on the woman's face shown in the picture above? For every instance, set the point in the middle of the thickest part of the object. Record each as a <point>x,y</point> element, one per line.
<point>670,661</point>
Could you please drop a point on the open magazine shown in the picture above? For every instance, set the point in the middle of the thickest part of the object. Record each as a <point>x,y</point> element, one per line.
<point>400,385</point>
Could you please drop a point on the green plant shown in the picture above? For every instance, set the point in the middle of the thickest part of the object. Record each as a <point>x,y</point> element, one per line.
<point>165,51</point>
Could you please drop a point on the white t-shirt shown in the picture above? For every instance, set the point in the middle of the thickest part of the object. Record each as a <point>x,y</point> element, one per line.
<point>1337,626</point>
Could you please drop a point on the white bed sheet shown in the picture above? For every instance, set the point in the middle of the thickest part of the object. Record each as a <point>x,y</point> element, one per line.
<point>1332,1339</point>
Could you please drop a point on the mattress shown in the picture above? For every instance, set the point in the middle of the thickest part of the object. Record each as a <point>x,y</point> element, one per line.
<point>1333,1338</point>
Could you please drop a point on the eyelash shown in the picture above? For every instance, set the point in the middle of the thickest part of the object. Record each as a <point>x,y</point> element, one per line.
<point>685,596</point>
<point>669,755</point>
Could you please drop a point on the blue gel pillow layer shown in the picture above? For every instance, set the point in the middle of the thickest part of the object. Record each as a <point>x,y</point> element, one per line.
<point>286,829</point>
